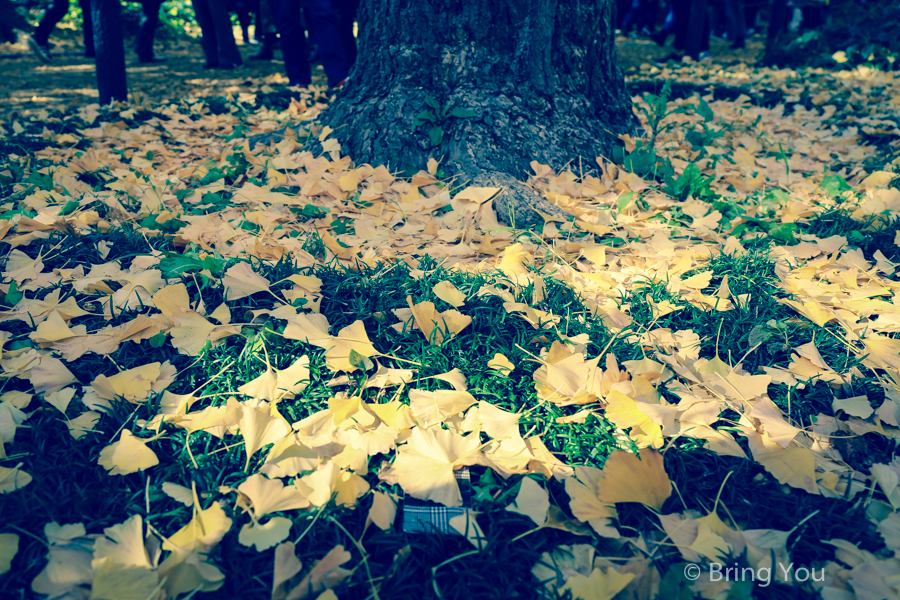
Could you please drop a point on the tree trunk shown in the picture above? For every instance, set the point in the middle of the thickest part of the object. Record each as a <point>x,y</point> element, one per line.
<point>486,87</point>
<point>110,49</point>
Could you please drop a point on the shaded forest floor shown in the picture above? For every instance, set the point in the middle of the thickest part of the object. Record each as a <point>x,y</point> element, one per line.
<point>251,371</point>
<point>27,84</point>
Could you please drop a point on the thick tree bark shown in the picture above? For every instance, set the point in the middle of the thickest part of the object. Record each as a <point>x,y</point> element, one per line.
<point>110,48</point>
<point>540,79</point>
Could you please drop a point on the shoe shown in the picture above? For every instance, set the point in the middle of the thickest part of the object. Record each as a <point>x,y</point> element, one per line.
<point>738,44</point>
<point>301,86</point>
<point>672,57</point>
<point>42,51</point>
<point>341,83</point>
<point>266,52</point>
<point>231,65</point>
<point>210,65</point>
<point>153,58</point>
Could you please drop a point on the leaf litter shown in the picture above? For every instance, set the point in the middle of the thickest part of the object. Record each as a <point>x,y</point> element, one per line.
<point>139,249</point>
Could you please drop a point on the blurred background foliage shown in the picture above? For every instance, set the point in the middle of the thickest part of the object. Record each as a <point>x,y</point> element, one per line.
<point>856,32</point>
<point>176,17</point>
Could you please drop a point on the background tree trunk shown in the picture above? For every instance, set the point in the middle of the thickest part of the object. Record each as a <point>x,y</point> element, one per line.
<point>541,79</point>
<point>110,48</point>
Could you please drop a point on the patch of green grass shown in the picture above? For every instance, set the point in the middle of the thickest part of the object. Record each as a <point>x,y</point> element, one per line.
<point>873,233</point>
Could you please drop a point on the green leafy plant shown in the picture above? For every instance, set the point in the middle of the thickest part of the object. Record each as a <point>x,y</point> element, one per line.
<point>436,117</point>
<point>691,183</point>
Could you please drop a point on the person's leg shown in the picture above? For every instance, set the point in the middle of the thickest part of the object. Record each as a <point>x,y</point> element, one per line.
<point>734,19</point>
<point>149,22</point>
<point>244,18</point>
<point>293,42</point>
<point>265,21</point>
<point>346,10</point>
<point>649,14</point>
<point>631,17</point>
<point>681,10</point>
<point>51,17</point>
<point>87,27</point>
<point>323,20</point>
<point>228,52</point>
<point>207,33</point>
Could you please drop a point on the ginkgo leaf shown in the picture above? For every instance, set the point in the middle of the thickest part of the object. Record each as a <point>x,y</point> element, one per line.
<point>286,566</point>
<point>710,545</point>
<point>50,375</point>
<point>9,546</point>
<point>261,425</point>
<point>241,281</point>
<point>447,292</point>
<point>205,530</point>
<point>776,428</point>
<point>454,377</point>
<point>83,424</point>
<point>625,414</point>
<point>424,465</point>
<point>437,326</point>
<point>857,406</point>
<point>501,363</point>
<point>179,493</point>
<point>124,544</point>
<point>467,526</point>
<point>794,466</point>
<point>54,329</point>
<point>881,352</point>
<point>496,422</point>
<point>601,584</point>
<point>585,503</point>
<point>270,495</point>
<point>60,400</point>
<point>430,408</point>
<point>265,535</point>
<point>326,573</point>
<point>327,482</point>
<point>385,377</point>
<point>383,511</point>
<point>135,385</point>
<point>274,385</point>
<point>631,478</point>
<point>113,581</point>
<point>129,455</point>
<point>352,338</point>
<point>533,501</point>
<point>13,479</point>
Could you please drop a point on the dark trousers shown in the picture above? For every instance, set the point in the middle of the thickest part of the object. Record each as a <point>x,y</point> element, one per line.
<point>218,38</point>
<point>734,20</point>
<point>323,19</point>
<point>149,21</point>
<point>641,16</point>
<point>682,12</point>
<point>346,12</point>
<point>55,14</point>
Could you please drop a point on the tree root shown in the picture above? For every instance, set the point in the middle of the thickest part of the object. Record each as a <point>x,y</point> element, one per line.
<point>517,204</point>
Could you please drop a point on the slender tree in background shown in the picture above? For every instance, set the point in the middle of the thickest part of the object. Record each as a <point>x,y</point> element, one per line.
<point>10,21</point>
<point>110,48</point>
<point>486,86</point>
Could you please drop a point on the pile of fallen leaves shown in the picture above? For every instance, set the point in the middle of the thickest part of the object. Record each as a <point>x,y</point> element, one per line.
<point>256,355</point>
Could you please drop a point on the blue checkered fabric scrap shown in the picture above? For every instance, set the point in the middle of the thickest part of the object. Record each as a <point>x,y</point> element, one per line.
<point>423,516</point>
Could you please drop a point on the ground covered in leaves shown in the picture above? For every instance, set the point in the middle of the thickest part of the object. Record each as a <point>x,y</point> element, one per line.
<point>234,368</point>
